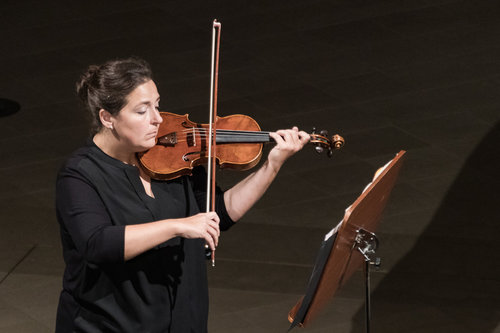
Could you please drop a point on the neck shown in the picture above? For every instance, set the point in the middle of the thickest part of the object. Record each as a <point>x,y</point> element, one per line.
<point>106,141</point>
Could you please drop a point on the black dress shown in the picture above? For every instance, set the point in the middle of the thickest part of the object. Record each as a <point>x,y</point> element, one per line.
<point>162,290</point>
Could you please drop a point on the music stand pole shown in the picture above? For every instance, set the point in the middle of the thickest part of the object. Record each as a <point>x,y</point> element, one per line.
<point>366,243</point>
<point>367,296</point>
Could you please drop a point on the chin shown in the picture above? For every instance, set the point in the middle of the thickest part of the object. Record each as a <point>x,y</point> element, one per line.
<point>143,145</point>
<point>148,145</point>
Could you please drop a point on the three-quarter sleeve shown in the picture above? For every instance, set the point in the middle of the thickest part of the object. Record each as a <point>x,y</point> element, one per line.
<point>85,220</point>
<point>198,183</point>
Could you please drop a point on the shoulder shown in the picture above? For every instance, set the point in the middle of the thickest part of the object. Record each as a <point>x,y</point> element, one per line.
<point>91,161</point>
<point>85,163</point>
<point>73,164</point>
<point>73,173</point>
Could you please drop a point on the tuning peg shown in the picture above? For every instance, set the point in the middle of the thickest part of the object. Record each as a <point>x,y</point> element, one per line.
<point>319,149</point>
<point>313,130</point>
<point>324,133</point>
<point>330,152</point>
<point>338,141</point>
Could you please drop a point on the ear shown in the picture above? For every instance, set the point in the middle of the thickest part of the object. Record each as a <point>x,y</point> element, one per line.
<point>106,119</point>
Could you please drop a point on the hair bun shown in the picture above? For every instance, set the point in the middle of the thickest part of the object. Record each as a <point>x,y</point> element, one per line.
<point>87,80</point>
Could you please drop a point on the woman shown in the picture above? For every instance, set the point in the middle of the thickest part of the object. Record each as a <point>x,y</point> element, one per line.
<point>134,246</point>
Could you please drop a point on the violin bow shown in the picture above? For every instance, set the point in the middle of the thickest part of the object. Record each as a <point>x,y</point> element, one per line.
<point>214,78</point>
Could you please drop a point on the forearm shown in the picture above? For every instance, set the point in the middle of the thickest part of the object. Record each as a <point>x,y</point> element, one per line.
<point>241,197</point>
<point>142,237</point>
<point>244,195</point>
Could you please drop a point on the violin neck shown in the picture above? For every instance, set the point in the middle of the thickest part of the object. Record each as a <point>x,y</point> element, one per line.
<point>230,136</point>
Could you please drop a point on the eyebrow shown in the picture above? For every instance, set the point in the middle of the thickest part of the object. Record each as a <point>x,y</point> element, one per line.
<point>147,102</point>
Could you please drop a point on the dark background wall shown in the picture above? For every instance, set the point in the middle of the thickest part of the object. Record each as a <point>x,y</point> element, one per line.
<point>388,75</point>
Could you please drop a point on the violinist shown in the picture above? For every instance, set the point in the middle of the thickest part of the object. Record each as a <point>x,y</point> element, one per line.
<point>134,246</point>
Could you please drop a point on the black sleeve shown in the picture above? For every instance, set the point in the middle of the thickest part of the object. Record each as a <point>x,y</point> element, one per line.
<point>199,183</point>
<point>84,218</point>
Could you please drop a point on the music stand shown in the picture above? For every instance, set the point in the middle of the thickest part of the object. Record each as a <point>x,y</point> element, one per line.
<point>347,246</point>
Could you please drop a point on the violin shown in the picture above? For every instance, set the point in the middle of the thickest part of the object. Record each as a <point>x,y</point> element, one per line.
<point>182,144</point>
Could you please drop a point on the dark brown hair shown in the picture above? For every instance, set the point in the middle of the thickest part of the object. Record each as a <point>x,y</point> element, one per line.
<point>107,86</point>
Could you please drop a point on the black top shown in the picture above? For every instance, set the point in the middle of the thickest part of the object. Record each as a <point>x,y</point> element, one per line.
<point>162,290</point>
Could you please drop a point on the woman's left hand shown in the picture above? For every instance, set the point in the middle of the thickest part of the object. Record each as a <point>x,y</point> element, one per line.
<point>288,142</point>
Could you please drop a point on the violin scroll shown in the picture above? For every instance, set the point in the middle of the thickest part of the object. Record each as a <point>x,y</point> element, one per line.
<point>322,142</point>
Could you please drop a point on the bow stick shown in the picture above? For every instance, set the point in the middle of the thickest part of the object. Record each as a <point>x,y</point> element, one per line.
<point>214,78</point>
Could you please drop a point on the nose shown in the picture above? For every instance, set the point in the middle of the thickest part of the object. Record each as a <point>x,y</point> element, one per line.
<point>157,118</point>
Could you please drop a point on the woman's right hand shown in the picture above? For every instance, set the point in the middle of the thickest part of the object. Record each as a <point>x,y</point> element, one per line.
<point>142,237</point>
<point>201,225</point>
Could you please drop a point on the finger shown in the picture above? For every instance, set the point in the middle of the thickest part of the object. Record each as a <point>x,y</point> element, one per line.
<point>287,136</point>
<point>304,137</point>
<point>296,137</point>
<point>213,233</point>
<point>290,140</point>
<point>212,216</point>
<point>215,218</point>
<point>209,241</point>
<point>215,226</point>
<point>277,137</point>
<point>299,137</point>
<point>296,134</point>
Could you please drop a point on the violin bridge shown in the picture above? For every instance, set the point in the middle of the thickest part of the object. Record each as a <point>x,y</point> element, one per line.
<point>191,138</point>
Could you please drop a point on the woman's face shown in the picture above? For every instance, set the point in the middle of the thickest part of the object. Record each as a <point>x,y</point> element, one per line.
<point>137,123</point>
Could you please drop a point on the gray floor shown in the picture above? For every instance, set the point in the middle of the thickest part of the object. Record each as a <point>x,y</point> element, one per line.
<point>387,75</point>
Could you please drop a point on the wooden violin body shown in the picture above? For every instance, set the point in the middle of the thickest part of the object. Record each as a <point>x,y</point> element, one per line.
<point>183,144</point>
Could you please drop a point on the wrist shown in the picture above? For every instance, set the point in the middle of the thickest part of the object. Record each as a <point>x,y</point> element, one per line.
<point>273,166</point>
<point>175,227</point>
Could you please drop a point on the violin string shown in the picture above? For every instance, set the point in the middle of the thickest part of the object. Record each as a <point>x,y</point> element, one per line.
<point>238,135</point>
<point>250,139</point>
<point>203,133</point>
<point>219,130</point>
<point>250,136</point>
<point>223,131</point>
